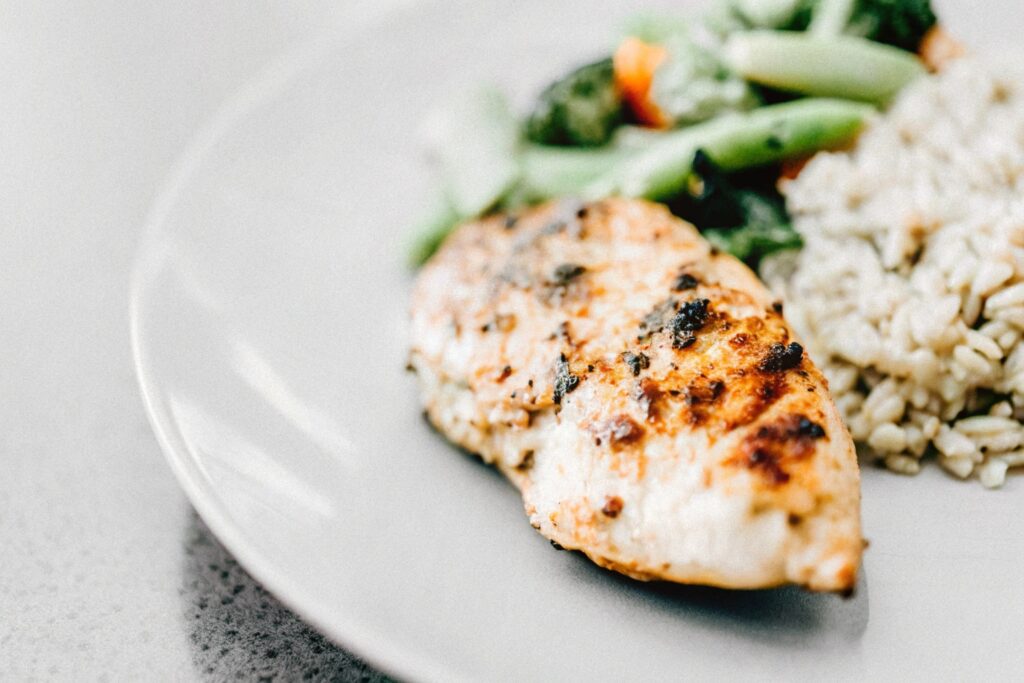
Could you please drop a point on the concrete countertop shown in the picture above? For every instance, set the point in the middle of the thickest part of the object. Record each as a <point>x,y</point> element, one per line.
<point>106,573</point>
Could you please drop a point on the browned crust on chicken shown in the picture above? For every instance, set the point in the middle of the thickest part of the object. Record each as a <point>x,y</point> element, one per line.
<point>614,327</point>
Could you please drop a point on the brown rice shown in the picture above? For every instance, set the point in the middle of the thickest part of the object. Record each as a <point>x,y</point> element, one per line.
<point>910,288</point>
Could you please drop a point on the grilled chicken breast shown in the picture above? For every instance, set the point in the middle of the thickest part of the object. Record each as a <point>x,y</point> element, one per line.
<point>643,392</point>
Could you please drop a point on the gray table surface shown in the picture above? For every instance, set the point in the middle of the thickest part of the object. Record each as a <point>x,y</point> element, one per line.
<point>105,571</point>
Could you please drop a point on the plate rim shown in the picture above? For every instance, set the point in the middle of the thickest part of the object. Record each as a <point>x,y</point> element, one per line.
<point>262,88</point>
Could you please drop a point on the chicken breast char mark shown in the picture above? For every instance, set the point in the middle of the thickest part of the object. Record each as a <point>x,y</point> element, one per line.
<point>643,392</point>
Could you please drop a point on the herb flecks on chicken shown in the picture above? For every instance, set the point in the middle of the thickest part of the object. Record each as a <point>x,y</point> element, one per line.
<point>669,428</point>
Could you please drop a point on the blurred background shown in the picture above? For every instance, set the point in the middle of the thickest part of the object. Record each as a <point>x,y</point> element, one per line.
<point>105,572</point>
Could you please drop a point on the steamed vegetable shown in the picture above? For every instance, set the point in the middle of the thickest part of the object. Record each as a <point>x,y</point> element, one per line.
<point>659,166</point>
<point>735,141</point>
<point>555,171</point>
<point>435,226</point>
<point>581,109</point>
<point>841,66</point>
<point>672,74</point>
<point>729,16</point>
<point>756,239</point>
<point>900,23</point>
<point>476,147</point>
<point>685,103</point>
<point>695,84</point>
<point>742,214</point>
<point>635,62</point>
<point>477,151</point>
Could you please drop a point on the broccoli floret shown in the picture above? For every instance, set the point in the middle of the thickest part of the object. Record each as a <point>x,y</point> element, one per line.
<point>901,23</point>
<point>582,109</point>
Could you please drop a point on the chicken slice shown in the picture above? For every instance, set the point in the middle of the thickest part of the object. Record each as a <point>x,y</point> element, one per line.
<point>643,392</point>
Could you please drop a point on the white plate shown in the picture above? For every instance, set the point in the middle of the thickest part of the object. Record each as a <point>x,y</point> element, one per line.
<point>268,320</point>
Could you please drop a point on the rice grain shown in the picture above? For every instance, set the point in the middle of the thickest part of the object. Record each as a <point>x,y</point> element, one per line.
<point>909,291</point>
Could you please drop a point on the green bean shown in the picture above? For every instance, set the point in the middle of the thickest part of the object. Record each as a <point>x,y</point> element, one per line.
<point>838,66</point>
<point>548,172</point>
<point>734,142</point>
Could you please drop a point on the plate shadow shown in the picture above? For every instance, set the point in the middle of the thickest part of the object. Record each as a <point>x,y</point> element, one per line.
<point>786,614</point>
<point>237,630</point>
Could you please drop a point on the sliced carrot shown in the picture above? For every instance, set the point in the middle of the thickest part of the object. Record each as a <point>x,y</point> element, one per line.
<point>634,65</point>
<point>938,48</point>
<point>790,168</point>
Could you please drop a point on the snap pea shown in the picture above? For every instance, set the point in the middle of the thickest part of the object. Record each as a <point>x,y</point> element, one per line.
<point>734,142</point>
<point>548,172</point>
<point>847,67</point>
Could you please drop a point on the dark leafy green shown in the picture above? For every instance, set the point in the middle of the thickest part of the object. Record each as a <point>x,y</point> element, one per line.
<point>582,109</point>
<point>754,241</point>
<point>741,213</point>
<point>900,23</point>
